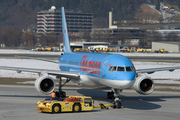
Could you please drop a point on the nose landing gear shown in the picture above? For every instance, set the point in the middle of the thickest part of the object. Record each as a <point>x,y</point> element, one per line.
<point>115,94</point>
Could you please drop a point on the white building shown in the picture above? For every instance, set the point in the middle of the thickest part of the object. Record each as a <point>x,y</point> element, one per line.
<point>84,45</point>
<point>167,46</point>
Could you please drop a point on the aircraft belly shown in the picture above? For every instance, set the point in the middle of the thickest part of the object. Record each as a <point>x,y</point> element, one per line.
<point>117,83</point>
<point>95,81</point>
<point>86,80</point>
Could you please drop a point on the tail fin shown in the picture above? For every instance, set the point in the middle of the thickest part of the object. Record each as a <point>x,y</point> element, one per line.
<point>65,33</point>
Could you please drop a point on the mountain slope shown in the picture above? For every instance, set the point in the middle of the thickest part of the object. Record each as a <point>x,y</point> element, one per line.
<point>148,13</point>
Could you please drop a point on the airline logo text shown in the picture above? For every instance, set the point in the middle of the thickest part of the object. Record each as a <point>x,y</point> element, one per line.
<point>92,66</point>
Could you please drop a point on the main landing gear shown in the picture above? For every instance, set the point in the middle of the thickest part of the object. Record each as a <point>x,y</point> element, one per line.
<point>60,93</point>
<point>115,94</point>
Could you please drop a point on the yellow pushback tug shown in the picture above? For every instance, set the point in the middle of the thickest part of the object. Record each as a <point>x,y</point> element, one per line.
<point>70,104</point>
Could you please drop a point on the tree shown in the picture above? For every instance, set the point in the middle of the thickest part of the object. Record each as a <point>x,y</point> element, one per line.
<point>143,41</point>
<point>155,36</point>
<point>51,39</point>
<point>73,38</point>
<point>172,36</point>
<point>18,9</point>
<point>124,36</point>
<point>121,37</point>
<point>96,35</point>
<point>108,37</point>
<point>48,40</point>
<point>178,3</point>
<point>87,36</point>
<point>43,40</point>
<point>60,38</point>
<point>10,37</point>
<point>29,39</point>
<point>158,5</point>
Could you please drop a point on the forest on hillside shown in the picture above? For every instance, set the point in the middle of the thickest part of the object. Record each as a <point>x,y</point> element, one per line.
<point>174,2</point>
<point>22,13</point>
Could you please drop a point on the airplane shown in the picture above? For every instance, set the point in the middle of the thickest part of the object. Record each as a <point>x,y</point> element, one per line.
<point>114,71</point>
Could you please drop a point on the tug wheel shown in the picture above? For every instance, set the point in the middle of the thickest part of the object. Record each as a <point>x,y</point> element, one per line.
<point>76,108</point>
<point>56,108</point>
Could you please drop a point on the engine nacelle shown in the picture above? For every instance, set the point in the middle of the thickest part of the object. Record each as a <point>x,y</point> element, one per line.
<point>144,85</point>
<point>45,84</point>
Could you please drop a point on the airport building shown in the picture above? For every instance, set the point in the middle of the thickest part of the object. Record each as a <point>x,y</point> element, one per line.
<point>167,46</point>
<point>132,35</point>
<point>49,21</point>
<point>84,44</point>
<point>165,32</point>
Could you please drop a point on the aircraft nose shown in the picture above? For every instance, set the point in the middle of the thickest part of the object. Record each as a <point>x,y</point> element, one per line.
<point>123,80</point>
<point>126,80</point>
<point>129,76</point>
<point>129,80</point>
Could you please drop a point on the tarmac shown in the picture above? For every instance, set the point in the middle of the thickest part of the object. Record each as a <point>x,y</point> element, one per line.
<point>19,103</point>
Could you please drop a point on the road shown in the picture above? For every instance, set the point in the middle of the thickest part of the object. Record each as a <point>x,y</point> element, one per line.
<point>19,103</point>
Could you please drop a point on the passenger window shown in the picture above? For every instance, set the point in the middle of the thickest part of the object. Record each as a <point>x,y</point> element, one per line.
<point>121,69</point>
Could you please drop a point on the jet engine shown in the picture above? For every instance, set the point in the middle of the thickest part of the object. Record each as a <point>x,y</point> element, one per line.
<point>144,85</point>
<point>45,84</point>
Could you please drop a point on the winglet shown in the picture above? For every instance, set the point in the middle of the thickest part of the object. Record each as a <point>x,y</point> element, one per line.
<point>65,33</point>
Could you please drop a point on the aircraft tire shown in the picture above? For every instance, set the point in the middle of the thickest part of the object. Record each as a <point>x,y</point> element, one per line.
<point>117,104</point>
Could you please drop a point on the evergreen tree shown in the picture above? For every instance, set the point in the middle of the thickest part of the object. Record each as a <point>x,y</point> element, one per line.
<point>158,5</point>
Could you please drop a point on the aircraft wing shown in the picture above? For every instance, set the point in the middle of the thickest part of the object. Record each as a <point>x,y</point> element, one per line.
<point>73,75</point>
<point>42,59</point>
<point>152,70</point>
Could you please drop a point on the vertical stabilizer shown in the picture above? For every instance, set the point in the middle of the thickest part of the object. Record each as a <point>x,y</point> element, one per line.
<point>65,33</point>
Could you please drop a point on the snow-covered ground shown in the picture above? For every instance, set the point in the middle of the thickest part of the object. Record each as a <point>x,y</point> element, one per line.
<point>29,63</point>
<point>20,51</point>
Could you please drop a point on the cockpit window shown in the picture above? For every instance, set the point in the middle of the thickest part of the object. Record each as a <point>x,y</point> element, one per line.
<point>133,68</point>
<point>113,68</point>
<point>122,69</point>
<point>110,69</point>
<point>128,69</point>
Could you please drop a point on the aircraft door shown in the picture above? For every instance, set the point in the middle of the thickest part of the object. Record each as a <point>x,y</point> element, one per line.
<point>104,67</point>
<point>67,65</point>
